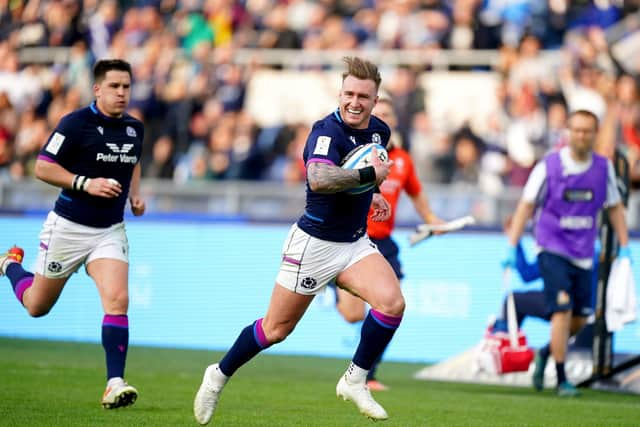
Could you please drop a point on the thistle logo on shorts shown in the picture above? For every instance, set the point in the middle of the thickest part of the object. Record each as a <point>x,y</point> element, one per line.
<point>54,267</point>
<point>309,283</point>
<point>563,298</point>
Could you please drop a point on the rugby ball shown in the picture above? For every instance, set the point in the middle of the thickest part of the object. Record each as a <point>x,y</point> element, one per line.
<point>360,157</point>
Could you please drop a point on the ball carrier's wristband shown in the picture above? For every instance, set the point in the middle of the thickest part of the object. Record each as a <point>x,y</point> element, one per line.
<point>367,174</point>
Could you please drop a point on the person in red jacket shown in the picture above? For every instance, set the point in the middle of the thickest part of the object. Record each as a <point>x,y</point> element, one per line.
<point>401,177</point>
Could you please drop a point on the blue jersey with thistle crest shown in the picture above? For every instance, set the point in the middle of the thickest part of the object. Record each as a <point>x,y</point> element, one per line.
<point>338,217</point>
<point>86,142</point>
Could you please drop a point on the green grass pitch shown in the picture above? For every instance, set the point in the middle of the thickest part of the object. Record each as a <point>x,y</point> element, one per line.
<point>45,383</point>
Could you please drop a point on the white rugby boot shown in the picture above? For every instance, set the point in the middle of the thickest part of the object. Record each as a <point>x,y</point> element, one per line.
<point>208,394</point>
<point>359,394</point>
<point>118,394</point>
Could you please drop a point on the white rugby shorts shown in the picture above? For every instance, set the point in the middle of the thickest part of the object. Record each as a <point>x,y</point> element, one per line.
<point>66,245</point>
<point>309,263</point>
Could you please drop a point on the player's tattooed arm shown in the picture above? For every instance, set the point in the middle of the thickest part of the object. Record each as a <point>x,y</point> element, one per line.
<point>325,178</point>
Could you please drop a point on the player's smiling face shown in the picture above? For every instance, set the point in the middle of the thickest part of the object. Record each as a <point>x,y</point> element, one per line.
<point>113,93</point>
<point>357,99</point>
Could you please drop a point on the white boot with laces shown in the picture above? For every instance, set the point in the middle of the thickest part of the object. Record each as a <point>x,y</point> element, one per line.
<point>352,386</point>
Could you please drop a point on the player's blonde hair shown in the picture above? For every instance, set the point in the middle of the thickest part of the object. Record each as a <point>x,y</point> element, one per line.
<point>361,69</point>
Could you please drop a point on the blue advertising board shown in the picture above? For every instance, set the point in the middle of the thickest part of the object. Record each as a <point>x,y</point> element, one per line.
<point>197,284</point>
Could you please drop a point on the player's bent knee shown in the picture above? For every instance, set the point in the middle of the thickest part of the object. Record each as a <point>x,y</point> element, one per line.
<point>277,337</point>
<point>278,334</point>
<point>351,314</point>
<point>117,303</point>
<point>398,307</point>
<point>394,307</point>
<point>352,317</point>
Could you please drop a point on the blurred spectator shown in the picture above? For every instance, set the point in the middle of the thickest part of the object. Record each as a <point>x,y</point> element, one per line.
<point>220,148</point>
<point>467,151</point>
<point>6,148</point>
<point>524,134</point>
<point>191,166</point>
<point>243,146</point>
<point>462,33</point>
<point>403,24</point>
<point>62,21</point>
<point>621,126</point>
<point>21,85</point>
<point>509,18</point>
<point>32,30</point>
<point>102,24</point>
<point>231,87</point>
<point>408,101</point>
<point>161,164</point>
<point>79,71</point>
<point>192,27</point>
<point>582,92</point>
<point>288,165</point>
<point>277,34</point>
<point>8,116</point>
<point>528,68</point>
<point>17,170</point>
<point>190,89</point>
<point>555,134</point>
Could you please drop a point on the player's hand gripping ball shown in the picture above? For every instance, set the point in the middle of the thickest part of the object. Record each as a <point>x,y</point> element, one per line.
<point>360,157</point>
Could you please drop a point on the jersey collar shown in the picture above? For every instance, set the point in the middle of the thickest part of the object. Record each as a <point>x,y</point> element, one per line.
<point>97,112</point>
<point>336,113</point>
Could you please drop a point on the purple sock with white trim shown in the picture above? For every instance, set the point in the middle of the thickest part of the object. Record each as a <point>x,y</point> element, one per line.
<point>250,342</point>
<point>377,330</point>
<point>20,279</point>
<point>115,341</point>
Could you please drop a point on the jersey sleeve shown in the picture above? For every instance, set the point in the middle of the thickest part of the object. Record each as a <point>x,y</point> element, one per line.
<point>60,141</point>
<point>386,135</point>
<point>534,186</point>
<point>324,145</point>
<point>613,195</point>
<point>141,137</point>
<point>412,184</point>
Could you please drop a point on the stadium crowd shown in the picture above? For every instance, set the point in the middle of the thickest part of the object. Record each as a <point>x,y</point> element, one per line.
<point>191,94</point>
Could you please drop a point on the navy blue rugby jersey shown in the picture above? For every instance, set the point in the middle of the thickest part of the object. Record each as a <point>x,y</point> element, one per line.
<point>86,142</point>
<point>338,217</point>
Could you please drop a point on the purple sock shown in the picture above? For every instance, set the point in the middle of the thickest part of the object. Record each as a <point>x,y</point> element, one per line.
<point>20,279</point>
<point>377,331</point>
<point>115,341</point>
<point>250,342</point>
